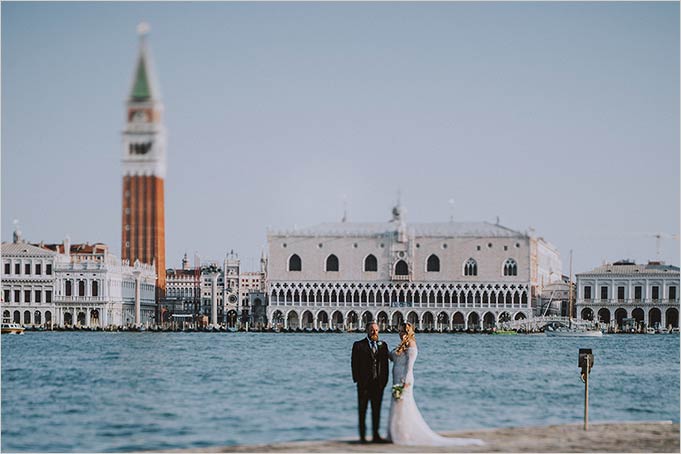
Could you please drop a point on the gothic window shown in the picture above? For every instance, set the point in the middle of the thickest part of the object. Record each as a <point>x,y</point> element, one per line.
<point>433,263</point>
<point>672,293</point>
<point>332,263</point>
<point>48,268</point>
<point>604,292</point>
<point>81,288</point>
<point>401,268</point>
<point>27,296</point>
<point>470,268</point>
<point>37,296</point>
<point>510,268</point>
<point>69,291</point>
<point>27,268</point>
<point>370,263</point>
<point>294,263</point>
<point>38,268</point>
<point>7,268</point>
<point>17,268</point>
<point>95,288</point>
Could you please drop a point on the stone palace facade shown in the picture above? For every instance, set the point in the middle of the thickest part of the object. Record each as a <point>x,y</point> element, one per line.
<point>614,292</point>
<point>448,275</point>
<point>74,285</point>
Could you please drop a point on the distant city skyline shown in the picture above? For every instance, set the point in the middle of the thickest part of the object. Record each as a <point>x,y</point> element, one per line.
<point>561,117</point>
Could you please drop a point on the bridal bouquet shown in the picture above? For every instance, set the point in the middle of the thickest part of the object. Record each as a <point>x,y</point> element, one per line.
<point>397,391</point>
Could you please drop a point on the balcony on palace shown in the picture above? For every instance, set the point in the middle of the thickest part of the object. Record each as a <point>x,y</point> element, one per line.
<point>82,299</point>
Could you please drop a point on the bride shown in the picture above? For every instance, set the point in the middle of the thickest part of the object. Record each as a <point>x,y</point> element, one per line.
<point>405,423</point>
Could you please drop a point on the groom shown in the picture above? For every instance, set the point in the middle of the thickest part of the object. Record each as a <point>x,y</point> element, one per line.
<point>370,372</point>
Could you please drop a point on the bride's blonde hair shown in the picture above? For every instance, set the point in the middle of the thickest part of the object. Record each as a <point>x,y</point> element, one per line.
<point>409,329</point>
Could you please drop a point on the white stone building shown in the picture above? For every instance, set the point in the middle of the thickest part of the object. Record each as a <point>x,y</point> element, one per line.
<point>448,275</point>
<point>183,288</point>
<point>96,288</point>
<point>228,293</point>
<point>74,284</point>
<point>648,293</point>
<point>28,283</point>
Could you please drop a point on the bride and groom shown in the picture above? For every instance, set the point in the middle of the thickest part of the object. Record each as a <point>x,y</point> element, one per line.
<point>406,426</point>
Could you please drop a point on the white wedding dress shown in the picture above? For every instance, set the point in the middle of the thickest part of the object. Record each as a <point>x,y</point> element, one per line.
<point>406,426</point>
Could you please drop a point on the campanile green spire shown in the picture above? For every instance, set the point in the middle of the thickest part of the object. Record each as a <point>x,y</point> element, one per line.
<point>140,89</point>
<point>143,87</point>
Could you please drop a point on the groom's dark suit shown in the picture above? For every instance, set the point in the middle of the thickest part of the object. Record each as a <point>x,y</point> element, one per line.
<point>370,372</point>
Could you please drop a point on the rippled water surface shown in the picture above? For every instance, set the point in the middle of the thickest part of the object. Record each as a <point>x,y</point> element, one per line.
<point>100,392</point>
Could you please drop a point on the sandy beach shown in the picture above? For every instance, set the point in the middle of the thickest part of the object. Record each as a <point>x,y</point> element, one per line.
<point>601,437</point>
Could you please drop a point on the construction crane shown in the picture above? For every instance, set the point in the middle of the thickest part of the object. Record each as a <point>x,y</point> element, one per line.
<point>658,240</point>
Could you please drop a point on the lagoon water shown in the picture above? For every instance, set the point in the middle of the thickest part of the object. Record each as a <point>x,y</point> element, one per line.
<point>75,391</point>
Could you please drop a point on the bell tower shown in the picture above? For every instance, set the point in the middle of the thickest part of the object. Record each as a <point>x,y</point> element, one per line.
<point>144,169</point>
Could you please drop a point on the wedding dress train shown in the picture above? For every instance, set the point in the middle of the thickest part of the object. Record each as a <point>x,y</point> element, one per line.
<point>406,426</point>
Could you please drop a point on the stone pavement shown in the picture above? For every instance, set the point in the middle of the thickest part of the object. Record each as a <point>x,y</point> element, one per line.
<point>601,437</point>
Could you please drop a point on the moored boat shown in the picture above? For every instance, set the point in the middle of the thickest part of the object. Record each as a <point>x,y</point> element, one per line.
<point>12,328</point>
<point>505,332</point>
<point>573,331</point>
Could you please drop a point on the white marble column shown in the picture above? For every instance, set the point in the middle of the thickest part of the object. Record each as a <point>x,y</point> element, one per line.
<point>138,290</point>
<point>87,317</point>
<point>214,298</point>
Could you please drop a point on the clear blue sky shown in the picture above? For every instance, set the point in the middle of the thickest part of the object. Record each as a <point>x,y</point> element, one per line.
<point>559,116</point>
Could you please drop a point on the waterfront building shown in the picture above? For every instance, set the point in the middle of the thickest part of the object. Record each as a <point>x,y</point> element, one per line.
<point>94,288</point>
<point>554,298</point>
<point>68,284</point>
<point>253,297</point>
<point>616,292</point>
<point>183,289</point>
<point>448,275</point>
<point>221,292</point>
<point>144,169</point>
<point>28,282</point>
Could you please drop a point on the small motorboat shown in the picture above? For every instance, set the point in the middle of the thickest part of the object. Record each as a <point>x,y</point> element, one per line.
<point>12,328</point>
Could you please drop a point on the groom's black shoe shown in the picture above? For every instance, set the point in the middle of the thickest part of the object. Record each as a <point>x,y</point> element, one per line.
<point>378,439</point>
<point>362,440</point>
